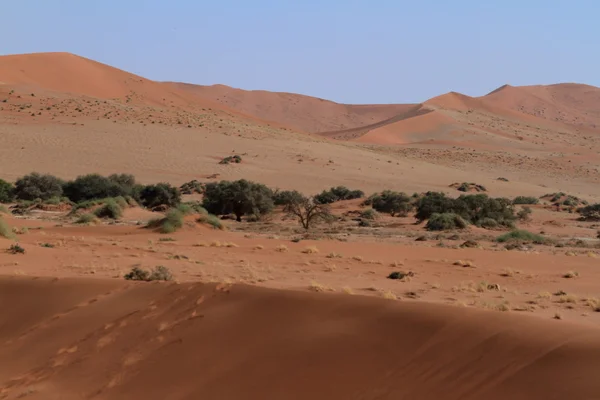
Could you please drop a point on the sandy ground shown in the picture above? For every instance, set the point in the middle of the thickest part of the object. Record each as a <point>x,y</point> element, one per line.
<point>471,323</point>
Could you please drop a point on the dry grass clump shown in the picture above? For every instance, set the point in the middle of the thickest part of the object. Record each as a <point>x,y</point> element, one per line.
<point>544,295</point>
<point>282,248</point>
<point>465,264</point>
<point>357,258</point>
<point>389,295</point>
<point>317,287</point>
<point>347,290</point>
<point>568,298</point>
<point>571,274</point>
<point>5,230</point>
<point>230,244</point>
<point>310,250</point>
<point>333,255</point>
<point>259,247</point>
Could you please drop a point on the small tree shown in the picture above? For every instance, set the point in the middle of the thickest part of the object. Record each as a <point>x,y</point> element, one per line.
<point>38,186</point>
<point>95,186</point>
<point>282,198</point>
<point>240,197</point>
<point>7,192</point>
<point>391,202</point>
<point>308,211</point>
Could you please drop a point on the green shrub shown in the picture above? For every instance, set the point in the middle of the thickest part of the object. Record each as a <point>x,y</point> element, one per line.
<point>473,208</point>
<point>86,219</point>
<point>285,197</point>
<point>231,159</point>
<point>5,230</point>
<point>445,222</point>
<point>338,193</point>
<point>110,209</point>
<point>36,186</point>
<point>369,214</point>
<point>211,220</point>
<point>192,187</point>
<point>121,202</point>
<point>590,213</point>
<point>488,223</point>
<point>160,194</point>
<point>521,236</point>
<point>524,214</point>
<point>172,221</point>
<point>137,274</point>
<point>240,198</point>
<point>526,200</point>
<point>16,249</point>
<point>7,192</point>
<point>393,203</point>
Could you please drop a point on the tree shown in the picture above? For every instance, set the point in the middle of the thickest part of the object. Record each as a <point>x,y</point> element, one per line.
<point>160,194</point>
<point>282,198</point>
<point>7,192</point>
<point>95,186</point>
<point>38,186</point>
<point>240,198</point>
<point>308,211</point>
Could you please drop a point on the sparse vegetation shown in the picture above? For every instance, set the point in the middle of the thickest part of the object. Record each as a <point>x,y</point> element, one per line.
<point>16,249</point>
<point>86,219</point>
<point>192,187</point>
<point>211,220</point>
<point>310,250</point>
<point>159,273</point>
<point>590,213</point>
<point>110,209</point>
<point>571,275</point>
<point>524,214</point>
<point>161,194</point>
<point>5,230</point>
<point>521,236</point>
<point>526,200</point>
<point>231,159</point>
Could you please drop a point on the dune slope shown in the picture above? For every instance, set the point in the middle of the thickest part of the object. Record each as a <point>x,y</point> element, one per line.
<point>73,339</point>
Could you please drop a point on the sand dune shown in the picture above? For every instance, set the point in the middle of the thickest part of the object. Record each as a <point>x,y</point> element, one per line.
<point>73,339</point>
<point>304,113</point>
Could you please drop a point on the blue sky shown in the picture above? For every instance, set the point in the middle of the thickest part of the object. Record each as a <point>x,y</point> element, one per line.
<point>377,51</point>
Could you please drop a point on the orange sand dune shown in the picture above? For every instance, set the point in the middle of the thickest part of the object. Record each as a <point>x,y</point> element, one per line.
<point>74,339</point>
<point>71,74</point>
<point>304,113</point>
<point>568,103</point>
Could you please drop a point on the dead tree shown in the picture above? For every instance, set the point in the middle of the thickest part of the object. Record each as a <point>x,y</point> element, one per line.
<point>307,210</point>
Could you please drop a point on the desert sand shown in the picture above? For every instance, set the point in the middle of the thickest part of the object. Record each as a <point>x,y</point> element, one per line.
<point>264,310</point>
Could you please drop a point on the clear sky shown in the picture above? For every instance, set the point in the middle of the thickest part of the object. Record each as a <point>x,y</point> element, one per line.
<point>353,51</point>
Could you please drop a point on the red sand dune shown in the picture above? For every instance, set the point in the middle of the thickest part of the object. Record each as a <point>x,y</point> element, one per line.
<point>74,339</point>
<point>304,113</point>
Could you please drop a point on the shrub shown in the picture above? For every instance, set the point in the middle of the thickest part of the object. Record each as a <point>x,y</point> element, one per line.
<point>590,213</point>
<point>337,194</point>
<point>282,198</point>
<point>110,209</point>
<point>3,210</point>
<point>445,222</point>
<point>526,200</point>
<point>369,214</point>
<point>5,230</point>
<point>86,219</point>
<point>172,221</point>
<point>231,159</point>
<point>210,220</point>
<point>7,192</point>
<point>524,214</point>
<point>37,186</point>
<point>160,194</point>
<point>95,186</point>
<point>472,208</point>
<point>393,203</point>
<point>192,187</point>
<point>488,223</point>
<point>240,197</point>
<point>16,249</point>
<point>521,236</point>
<point>159,273</point>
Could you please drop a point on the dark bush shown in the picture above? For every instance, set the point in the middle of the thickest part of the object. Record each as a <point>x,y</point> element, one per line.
<point>160,194</point>
<point>337,194</point>
<point>95,186</point>
<point>445,222</point>
<point>192,187</point>
<point>473,208</point>
<point>159,273</point>
<point>526,200</point>
<point>38,186</point>
<point>521,236</point>
<point>590,213</point>
<point>393,203</point>
<point>7,192</point>
<point>240,198</point>
<point>231,159</point>
<point>285,197</point>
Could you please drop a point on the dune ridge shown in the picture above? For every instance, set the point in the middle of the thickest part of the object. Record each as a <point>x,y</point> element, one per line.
<point>76,338</point>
